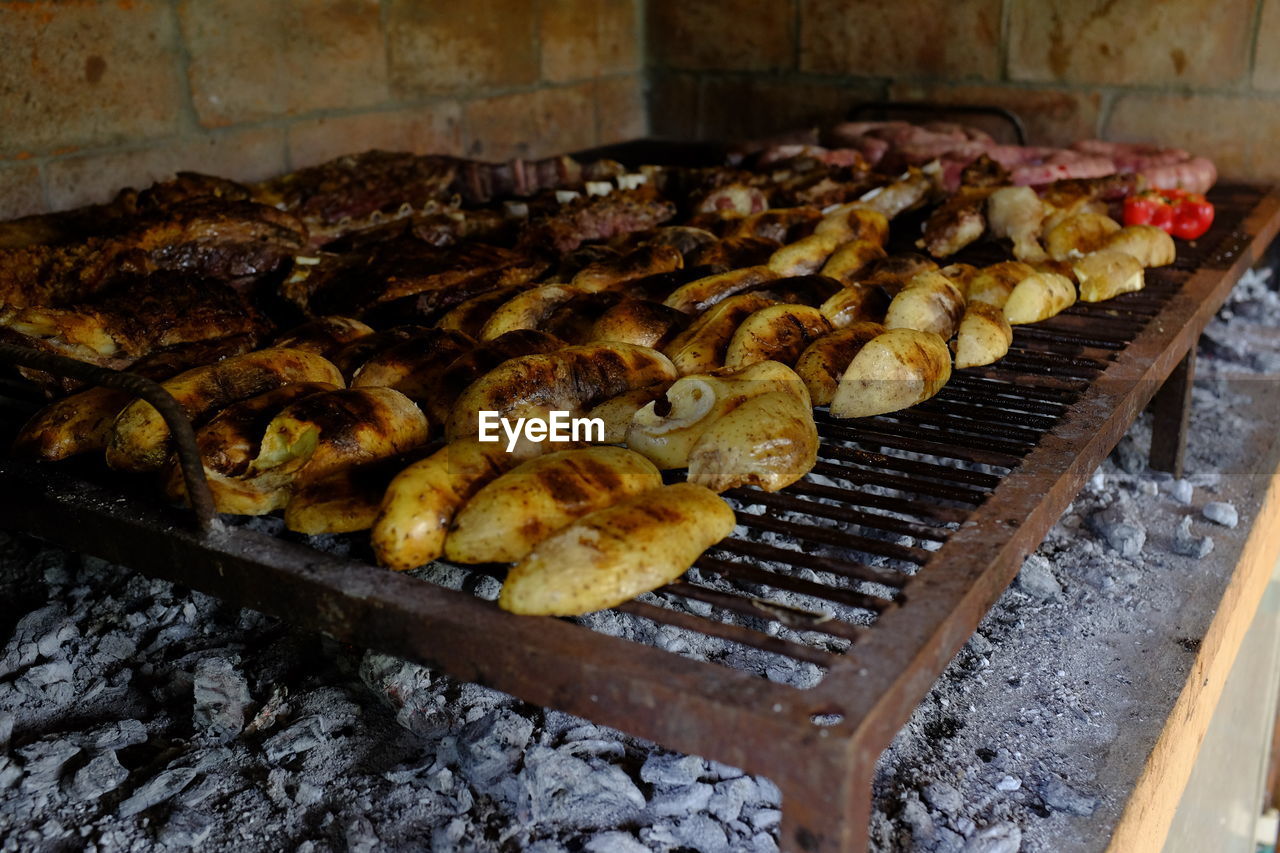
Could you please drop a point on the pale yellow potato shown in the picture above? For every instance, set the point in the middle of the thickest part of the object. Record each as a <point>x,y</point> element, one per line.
<point>667,433</point>
<point>73,425</point>
<point>617,553</point>
<point>892,372</point>
<point>527,309</point>
<point>421,501</point>
<point>702,346</point>
<point>701,294</point>
<point>993,284</point>
<point>855,303</point>
<point>855,221</point>
<point>822,364</point>
<point>618,412</point>
<point>346,500</point>
<point>573,379</point>
<point>777,333</point>
<point>1107,273</point>
<point>770,441</point>
<point>139,439</point>
<point>929,303</point>
<point>851,260</point>
<point>984,336</point>
<point>804,256</point>
<point>1149,245</point>
<point>613,273</point>
<point>1039,297</point>
<point>1079,235</point>
<point>507,518</point>
<point>317,435</point>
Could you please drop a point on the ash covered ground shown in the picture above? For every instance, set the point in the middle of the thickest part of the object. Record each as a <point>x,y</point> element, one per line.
<point>138,715</point>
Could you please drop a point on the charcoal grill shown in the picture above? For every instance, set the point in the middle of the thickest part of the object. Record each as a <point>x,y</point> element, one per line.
<point>906,532</point>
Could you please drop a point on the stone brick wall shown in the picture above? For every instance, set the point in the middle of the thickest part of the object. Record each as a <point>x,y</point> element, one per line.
<point>1203,74</point>
<point>99,95</point>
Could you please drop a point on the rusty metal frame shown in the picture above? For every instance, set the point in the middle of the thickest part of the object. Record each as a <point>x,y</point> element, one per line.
<point>819,745</point>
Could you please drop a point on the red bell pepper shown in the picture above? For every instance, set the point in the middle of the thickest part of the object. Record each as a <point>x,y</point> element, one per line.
<point>1184,215</point>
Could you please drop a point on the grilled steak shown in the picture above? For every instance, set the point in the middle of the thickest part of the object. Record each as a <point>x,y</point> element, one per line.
<point>595,218</point>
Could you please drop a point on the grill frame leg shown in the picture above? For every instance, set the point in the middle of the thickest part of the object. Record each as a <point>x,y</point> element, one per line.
<point>1170,417</point>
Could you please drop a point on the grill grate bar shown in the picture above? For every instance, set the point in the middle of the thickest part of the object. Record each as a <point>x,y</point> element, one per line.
<point>913,466</point>
<point>748,573</point>
<point>906,436</point>
<point>905,506</point>
<point>872,477</point>
<point>791,503</point>
<point>977,409</point>
<point>951,421</point>
<point>758,608</point>
<point>837,538</point>
<point>1013,392</point>
<point>1024,334</point>
<point>807,560</point>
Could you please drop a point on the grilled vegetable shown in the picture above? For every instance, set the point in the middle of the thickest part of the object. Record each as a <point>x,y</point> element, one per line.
<point>421,501</point>
<point>699,295</point>
<point>1149,245</point>
<point>893,273</point>
<point>783,224</point>
<point>961,275</point>
<point>509,517</point>
<point>345,500</point>
<point>639,322</point>
<point>618,412</point>
<point>855,221</point>
<point>851,260</point>
<point>469,317</point>
<point>1039,297</point>
<point>855,303</point>
<point>770,441</point>
<point>1182,214</point>
<point>573,379</point>
<point>804,256</point>
<point>73,425</point>
<point>1079,235</point>
<point>995,283</point>
<point>1018,213</point>
<point>928,303</point>
<point>314,436</point>
<point>615,554</point>
<point>527,309</point>
<point>891,372</point>
<point>139,438</point>
<point>323,335</point>
<point>825,360</point>
<point>777,333</point>
<point>412,366</point>
<point>702,346</point>
<point>1107,273</point>
<point>666,430</point>
<point>440,397</point>
<point>350,358</point>
<point>984,335</point>
<point>612,273</point>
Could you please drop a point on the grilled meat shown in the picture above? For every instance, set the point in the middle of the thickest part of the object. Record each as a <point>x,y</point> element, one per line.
<point>596,218</point>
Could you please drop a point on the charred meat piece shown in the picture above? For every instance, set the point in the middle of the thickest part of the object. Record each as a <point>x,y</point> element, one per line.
<point>595,218</point>
<point>207,239</point>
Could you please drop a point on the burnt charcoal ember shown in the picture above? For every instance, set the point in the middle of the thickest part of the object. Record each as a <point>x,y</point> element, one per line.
<point>491,746</point>
<point>221,696</point>
<point>667,769</point>
<point>161,787</point>
<point>1060,796</point>
<point>681,801</point>
<point>1120,528</point>
<point>42,762</point>
<point>554,788</point>
<point>114,735</point>
<point>1222,513</point>
<point>1188,544</point>
<point>102,774</point>
<point>1036,579</point>
<point>997,838</point>
<point>614,842</point>
<point>41,633</point>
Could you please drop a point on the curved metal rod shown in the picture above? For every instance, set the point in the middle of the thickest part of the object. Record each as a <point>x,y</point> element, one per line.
<point>184,435</point>
<point>926,107</point>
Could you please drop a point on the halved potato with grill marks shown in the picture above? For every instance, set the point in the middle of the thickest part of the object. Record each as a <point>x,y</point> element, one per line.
<point>891,372</point>
<point>777,333</point>
<point>825,360</point>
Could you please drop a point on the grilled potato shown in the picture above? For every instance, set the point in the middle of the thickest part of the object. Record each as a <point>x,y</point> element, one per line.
<point>508,518</point>
<point>855,303</point>
<point>666,430</point>
<point>1107,273</point>
<point>995,283</point>
<point>350,358</point>
<point>825,360</point>
<point>855,222</point>
<point>783,224</point>
<point>961,275</point>
<point>421,501</point>
<point>812,289</point>
<point>770,441</point>
<point>617,553</point>
<point>984,335</point>
<point>469,317</point>
<point>314,436</point>
<point>891,372</point>
<point>618,412</point>
<point>1151,246</point>
<point>1039,297</point>
<point>684,239</point>
<point>413,365</point>
<point>736,252</point>
<point>639,322</point>
<point>851,260</point>
<point>346,500</point>
<point>1079,235</point>
<point>76,424</point>
<point>777,333</point>
<point>804,256</point>
<point>702,346</point>
<point>323,335</point>
<point>527,309</point>
<point>612,273</point>
<point>893,273</point>
<point>573,379</point>
<point>928,303</point>
<point>700,295</point>
<point>440,398</point>
<point>139,438</point>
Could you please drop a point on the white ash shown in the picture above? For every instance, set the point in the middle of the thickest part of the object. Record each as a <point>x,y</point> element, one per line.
<point>136,714</point>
